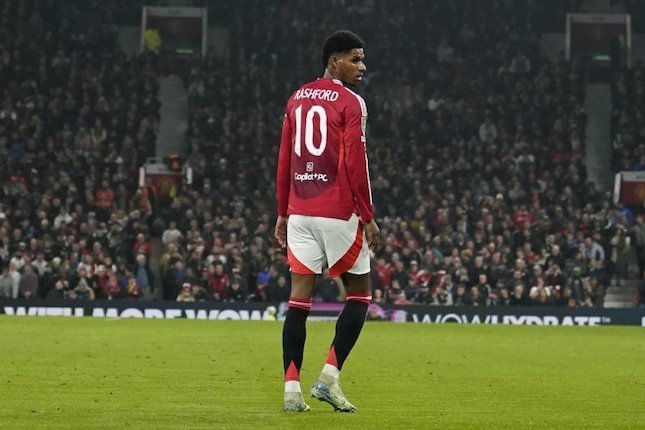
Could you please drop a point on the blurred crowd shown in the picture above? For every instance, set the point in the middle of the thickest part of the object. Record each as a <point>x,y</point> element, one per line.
<point>475,139</point>
<point>628,119</point>
<point>77,119</point>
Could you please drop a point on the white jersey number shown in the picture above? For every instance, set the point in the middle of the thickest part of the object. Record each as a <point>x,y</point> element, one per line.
<point>309,130</point>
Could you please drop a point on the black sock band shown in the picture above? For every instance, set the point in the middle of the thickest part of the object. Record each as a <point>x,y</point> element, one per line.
<point>348,328</point>
<point>294,333</point>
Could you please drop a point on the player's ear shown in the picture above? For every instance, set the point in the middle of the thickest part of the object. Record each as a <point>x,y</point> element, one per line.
<point>333,62</point>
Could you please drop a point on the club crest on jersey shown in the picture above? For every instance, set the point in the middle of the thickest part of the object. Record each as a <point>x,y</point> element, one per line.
<point>310,166</point>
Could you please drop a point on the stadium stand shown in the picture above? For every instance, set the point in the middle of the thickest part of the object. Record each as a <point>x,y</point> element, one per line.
<point>77,118</point>
<point>628,94</point>
<point>476,145</point>
<point>476,142</point>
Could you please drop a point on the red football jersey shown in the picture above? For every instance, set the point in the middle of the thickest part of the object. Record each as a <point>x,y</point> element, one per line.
<point>322,167</point>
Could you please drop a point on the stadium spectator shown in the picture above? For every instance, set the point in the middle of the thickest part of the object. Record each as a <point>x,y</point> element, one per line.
<point>328,289</point>
<point>460,295</point>
<point>8,284</point>
<point>58,292</point>
<point>46,281</point>
<point>518,296</point>
<point>639,240</point>
<point>83,290</point>
<point>484,289</point>
<point>640,298</point>
<point>186,293</point>
<point>104,199</point>
<point>143,275</point>
<point>171,234</point>
<point>15,277</point>
<point>28,284</point>
<point>401,299</point>
<point>235,292</point>
<point>142,246</point>
<point>199,293</point>
<point>378,297</point>
<point>167,264</point>
<point>218,282</point>
<point>132,288</point>
<point>440,297</point>
<point>112,288</point>
<point>474,297</point>
<point>499,296</point>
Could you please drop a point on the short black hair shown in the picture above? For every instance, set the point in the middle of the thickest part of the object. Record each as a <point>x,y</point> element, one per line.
<point>340,41</point>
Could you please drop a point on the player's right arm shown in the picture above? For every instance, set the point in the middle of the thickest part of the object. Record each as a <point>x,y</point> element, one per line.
<point>283,180</point>
<point>357,168</point>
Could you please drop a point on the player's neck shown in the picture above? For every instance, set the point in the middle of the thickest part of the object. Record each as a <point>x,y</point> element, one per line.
<point>329,75</point>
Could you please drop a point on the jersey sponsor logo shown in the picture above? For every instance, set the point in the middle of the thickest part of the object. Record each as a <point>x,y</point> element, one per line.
<point>310,166</point>
<point>305,177</point>
<point>316,94</point>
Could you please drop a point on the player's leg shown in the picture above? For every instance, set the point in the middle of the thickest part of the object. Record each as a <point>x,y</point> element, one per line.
<point>353,266</point>
<point>305,258</point>
<point>294,333</point>
<point>350,321</point>
<point>348,328</point>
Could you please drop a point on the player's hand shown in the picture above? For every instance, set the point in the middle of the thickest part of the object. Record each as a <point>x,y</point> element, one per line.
<point>373,234</point>
<point>281,230</point>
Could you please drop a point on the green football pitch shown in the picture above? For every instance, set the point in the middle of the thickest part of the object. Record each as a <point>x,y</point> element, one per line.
<point>83,373</point>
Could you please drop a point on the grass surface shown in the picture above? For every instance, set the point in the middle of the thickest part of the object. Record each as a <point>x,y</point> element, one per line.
<point>176,374</point>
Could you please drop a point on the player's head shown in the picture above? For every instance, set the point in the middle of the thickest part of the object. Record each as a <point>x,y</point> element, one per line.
<point>343,56</point>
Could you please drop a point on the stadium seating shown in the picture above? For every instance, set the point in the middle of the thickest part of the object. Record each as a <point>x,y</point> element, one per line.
<point>628,151</point>
<point>475,140</point>
<point>76,120</point>
<point>476,143</point>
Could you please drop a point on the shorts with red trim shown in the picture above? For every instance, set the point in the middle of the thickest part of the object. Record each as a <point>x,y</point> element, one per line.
<point>317,242</point>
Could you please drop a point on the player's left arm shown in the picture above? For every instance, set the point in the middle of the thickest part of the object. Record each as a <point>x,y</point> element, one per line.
<point>356,158</point>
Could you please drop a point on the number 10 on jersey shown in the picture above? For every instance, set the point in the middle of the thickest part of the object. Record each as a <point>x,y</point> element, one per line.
<point>313,149</point>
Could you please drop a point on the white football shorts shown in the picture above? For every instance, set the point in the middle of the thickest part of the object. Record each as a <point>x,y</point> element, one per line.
<point>316,242</point>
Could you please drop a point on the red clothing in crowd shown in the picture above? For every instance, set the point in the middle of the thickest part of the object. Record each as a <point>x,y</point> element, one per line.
<point>218,284</point>
<point>144,248</point>
<point>322,167</point>
<point>521,217</point>
<point>383,275</point>
<point>104,198</point>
